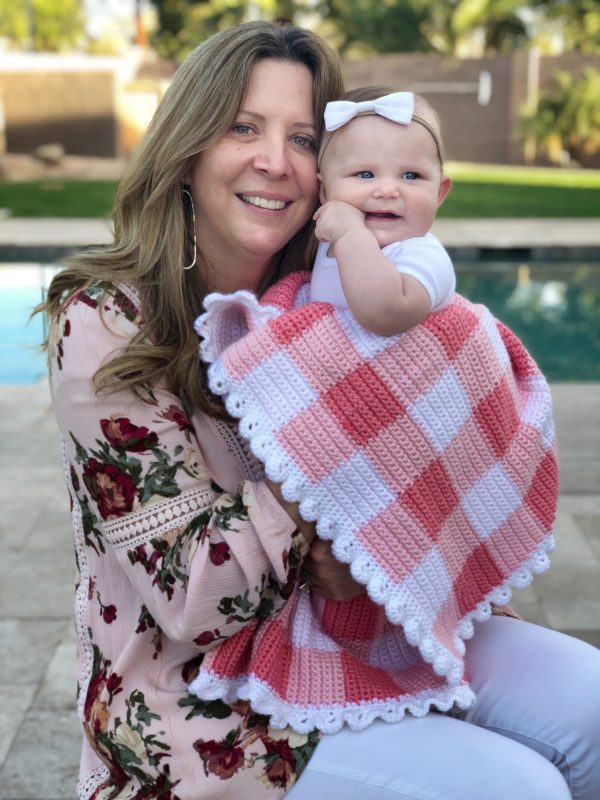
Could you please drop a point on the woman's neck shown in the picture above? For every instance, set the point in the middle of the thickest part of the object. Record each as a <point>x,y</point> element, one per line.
<point>252,274</point>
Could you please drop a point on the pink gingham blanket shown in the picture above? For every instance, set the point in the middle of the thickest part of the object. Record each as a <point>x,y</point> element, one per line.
<point>428,458</point>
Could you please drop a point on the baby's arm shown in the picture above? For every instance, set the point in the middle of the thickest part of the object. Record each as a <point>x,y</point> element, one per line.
<point>381,299</point>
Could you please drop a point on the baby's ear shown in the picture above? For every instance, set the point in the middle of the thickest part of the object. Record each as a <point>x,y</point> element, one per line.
<point>445,186</point>
<point>322,192</point>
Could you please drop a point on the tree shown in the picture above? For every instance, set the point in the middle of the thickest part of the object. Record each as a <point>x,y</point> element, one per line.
<point>42,24</point>
<point>183,24</point>
<point>14,22</point>
<point>386,26</point>
<point>497,22</point>
<point>580,23</point>
<point>57,24</point>
<point>568,117</point>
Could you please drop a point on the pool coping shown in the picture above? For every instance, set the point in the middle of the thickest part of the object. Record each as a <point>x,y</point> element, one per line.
<point>536,239</point>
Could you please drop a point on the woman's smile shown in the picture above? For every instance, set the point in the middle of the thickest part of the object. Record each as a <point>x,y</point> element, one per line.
<point>257,186</point>
<point>265,202</point>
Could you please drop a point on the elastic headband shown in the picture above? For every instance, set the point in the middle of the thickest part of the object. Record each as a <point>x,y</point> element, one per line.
<point>397,107</point>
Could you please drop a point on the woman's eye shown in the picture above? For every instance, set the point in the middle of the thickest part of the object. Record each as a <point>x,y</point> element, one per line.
<point>305,142</point>
<point>410,176</point>
<point>242,129</point>
<point>365,174</point>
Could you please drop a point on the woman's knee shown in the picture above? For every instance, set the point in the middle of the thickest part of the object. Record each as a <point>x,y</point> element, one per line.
<point>433,757</point>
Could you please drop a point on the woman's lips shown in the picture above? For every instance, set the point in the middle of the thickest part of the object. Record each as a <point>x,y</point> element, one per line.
<point>268,203</point>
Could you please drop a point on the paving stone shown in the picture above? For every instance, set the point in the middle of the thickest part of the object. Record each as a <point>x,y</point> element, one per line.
<point>38,527</point>
<point>577,417</point>
<point>27,647</point>
<point>13,707</point>
<point>589,524</point>
<point>526,603</point>
<point>572,546</point>
<point>58,687</point>
<point>588,504</point>
<point>43,763</point>
<point>52,530</point>
<point>570,597</point>
<point>40,585</point>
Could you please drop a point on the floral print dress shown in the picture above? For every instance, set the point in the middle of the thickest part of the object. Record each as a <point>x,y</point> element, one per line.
<point>179,545</point>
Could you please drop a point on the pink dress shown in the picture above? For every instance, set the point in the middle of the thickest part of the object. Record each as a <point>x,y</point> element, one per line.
<point>179,546</point>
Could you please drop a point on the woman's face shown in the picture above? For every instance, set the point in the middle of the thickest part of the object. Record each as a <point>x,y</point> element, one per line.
<point>256,187</point>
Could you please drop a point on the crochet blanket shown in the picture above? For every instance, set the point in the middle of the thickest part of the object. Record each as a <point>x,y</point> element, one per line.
<point>427,458</point>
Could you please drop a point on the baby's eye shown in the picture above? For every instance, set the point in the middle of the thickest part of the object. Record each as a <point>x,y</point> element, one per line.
<point>410,176</point>
<point>365,175</point>
<point>305,142</point>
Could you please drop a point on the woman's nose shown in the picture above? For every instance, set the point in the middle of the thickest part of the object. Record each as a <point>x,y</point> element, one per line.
<point>272,158</point>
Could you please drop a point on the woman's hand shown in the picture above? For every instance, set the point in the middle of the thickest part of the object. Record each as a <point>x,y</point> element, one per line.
<point>328,576</point>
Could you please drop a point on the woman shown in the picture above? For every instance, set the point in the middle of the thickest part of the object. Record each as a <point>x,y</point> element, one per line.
<point>179,541</point>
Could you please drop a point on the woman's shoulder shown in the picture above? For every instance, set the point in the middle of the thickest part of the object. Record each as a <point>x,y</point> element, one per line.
<point>106,309</point>
<point>106,297</point>
<point>95,321</point>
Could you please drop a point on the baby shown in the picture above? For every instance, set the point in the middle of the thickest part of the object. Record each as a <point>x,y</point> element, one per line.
<point>381,173</point>
<point>405,451</point>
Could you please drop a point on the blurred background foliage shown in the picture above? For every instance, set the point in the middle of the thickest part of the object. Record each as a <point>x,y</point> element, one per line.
<point>565,123</point>
<point>355,27</point>
<point>567,117</point>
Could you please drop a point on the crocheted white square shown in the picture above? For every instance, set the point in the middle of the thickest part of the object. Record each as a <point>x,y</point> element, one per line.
<point>491,501</point>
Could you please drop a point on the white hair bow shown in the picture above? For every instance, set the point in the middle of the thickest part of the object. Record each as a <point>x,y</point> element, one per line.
<point>397,107</point>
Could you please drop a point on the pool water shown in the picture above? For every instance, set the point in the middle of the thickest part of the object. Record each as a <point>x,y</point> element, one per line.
<point>21,288</point>
<point>554,308</point>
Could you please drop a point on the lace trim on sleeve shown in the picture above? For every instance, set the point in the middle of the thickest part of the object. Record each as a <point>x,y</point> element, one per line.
<point>155,519</point>
<point>251,468</point>
<point>88,785</point>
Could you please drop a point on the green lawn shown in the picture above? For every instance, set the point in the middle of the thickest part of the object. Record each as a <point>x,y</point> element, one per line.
<point>495,191</point>
<point>478,191</point>
<point>58,198</point>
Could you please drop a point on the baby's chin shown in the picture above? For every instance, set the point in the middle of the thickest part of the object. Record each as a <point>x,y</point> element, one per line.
<point>385,237</point>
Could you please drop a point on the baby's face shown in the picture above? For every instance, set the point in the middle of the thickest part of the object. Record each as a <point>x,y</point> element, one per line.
<point>390,172</point>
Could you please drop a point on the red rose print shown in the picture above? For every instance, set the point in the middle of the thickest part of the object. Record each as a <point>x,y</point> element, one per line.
<point>219,553</point>
<point>219,758</point>
<point>206,637</point>
<point>279,761</point>
<point>113,490</point>
<point>82,297</point>
<point>178,415</point>
<point>113,684</point>
<point>109,614</point>
<point>122,434</point>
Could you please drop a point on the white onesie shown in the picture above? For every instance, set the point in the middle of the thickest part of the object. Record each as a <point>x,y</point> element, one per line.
<point>422,257</point>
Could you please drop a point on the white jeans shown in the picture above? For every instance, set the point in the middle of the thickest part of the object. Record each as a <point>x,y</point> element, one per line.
<point>534,733</point>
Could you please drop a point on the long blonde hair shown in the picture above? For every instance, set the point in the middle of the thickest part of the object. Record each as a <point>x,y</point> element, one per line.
<point>152,222</point>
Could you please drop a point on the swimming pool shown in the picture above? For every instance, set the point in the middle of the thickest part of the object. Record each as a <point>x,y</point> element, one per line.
<point>554,307</point>
<point>21,288</point>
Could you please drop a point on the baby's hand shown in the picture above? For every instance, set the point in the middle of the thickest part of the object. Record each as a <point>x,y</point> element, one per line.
<point>336,218</point>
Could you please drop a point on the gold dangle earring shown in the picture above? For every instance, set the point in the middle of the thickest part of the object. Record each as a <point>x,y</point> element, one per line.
<point>193,264</point>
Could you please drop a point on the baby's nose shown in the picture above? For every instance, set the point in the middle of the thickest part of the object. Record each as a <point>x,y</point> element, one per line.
<point>387,188</point>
